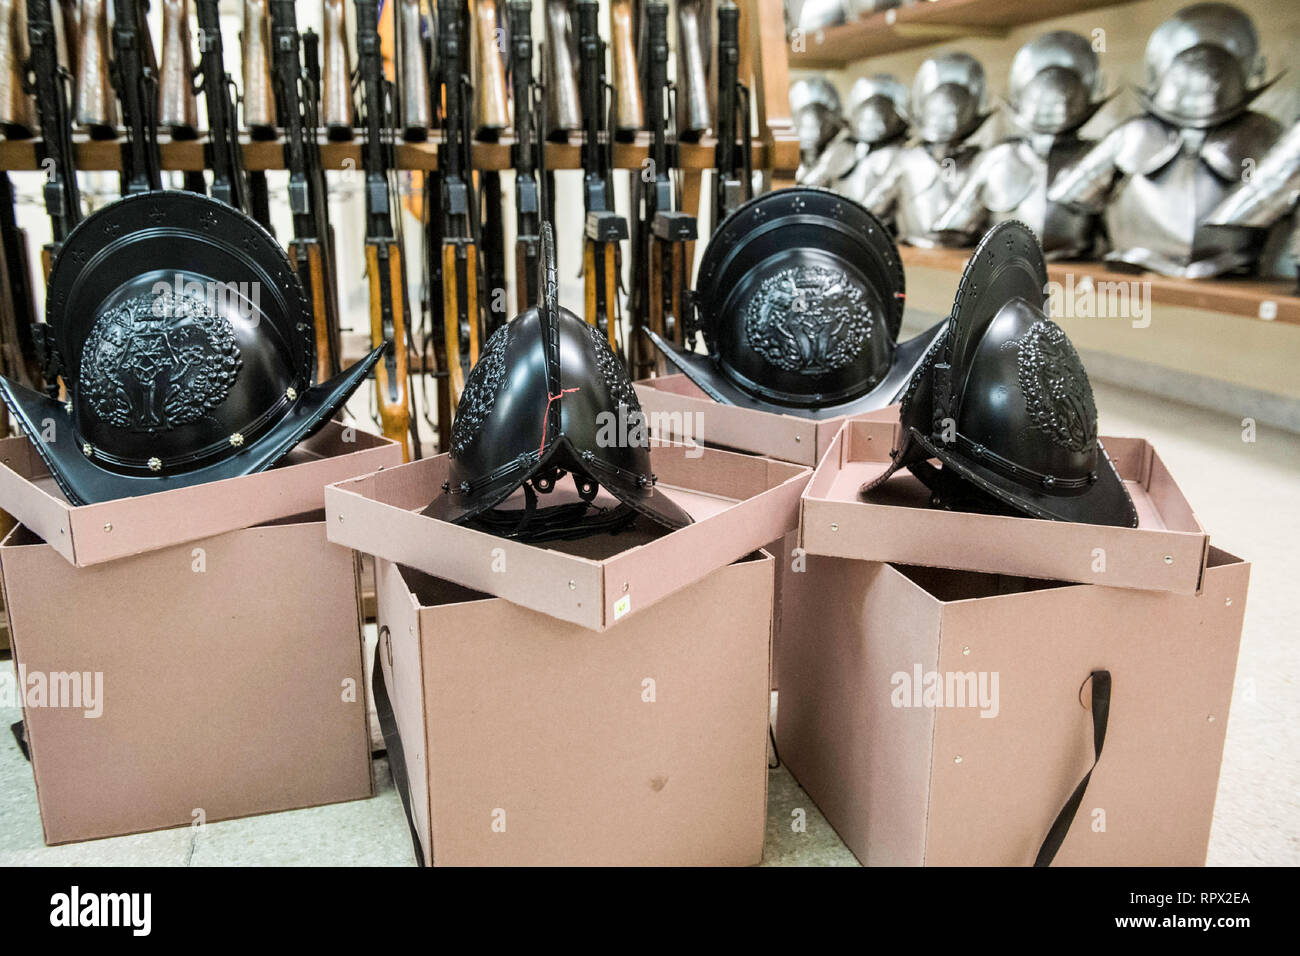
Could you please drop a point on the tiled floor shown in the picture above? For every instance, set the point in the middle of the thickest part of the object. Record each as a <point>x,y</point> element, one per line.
<point>1246,493</point>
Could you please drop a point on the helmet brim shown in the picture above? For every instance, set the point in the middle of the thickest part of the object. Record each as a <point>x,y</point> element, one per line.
<point>84,482</point>
<point>1106,502</point>
<point>704,372</point>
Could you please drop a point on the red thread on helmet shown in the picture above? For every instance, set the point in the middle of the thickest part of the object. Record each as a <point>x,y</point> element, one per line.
<point>546,415</point>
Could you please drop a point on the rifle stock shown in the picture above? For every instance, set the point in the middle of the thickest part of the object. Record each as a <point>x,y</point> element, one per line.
<point>412,73</point>
<point>388,323</point>
<point>491,107</point>
<point>628,113</point>
<point>177,108</point>
<point>693,114</point>
<point>259,98</point>
<point>337,109</point>
<point>563,100</point>
<point>95,109</point>
<point>16,117</point>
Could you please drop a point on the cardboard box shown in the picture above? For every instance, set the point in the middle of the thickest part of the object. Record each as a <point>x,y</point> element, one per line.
<point>672,398</point>
<point>943,785</point>
<point>531,741</point>
<point>1166,552</point>
<point>226,675</point>
<point>92,534</point>
<point>739,503</point>
<point>679,410</point>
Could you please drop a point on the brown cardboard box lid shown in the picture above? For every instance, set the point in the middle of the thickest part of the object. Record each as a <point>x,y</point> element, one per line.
<point>678,409</point>
<point>740,503</point>
<point>92,534</point>
<point>1166,552</point>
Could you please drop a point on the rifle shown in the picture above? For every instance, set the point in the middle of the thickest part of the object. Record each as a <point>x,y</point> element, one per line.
<point>628,110</point>
<point>259,101</point>
<point>225,154</point>
<point>51,86</point>
<point>95,109</point>
<point>336,89</point>
<point>733,182</point>
<point>310,248</point>
<point>135,75</point>
<point>21,356</point>
<point>412,73</point>
<point>311,112</point>
<point>605,228</point>
<point>527,154</point>
<point>383,242</point>
<point>493,116</point>
<point>460,279</point>
<point>662,234</point>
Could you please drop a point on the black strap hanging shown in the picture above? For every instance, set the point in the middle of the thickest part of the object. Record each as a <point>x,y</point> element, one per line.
<point>1100,717</point>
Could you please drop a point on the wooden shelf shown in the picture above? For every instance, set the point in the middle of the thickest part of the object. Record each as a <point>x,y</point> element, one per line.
<point>106,155</point>
<point>1265,299</point>
<point>922,24</point>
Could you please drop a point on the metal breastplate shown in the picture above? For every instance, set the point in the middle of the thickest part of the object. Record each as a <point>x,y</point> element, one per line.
<point>835,161</point>
<point>871,166</point>
<point>926,188</point>
<point>1156,212</point>
<point>1015,186</point>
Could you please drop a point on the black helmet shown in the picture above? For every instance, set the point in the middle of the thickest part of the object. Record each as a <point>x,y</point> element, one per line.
<point>548,396</point>
<point>1003,402</point>
<point>800,298</point>
<point>185,342</point>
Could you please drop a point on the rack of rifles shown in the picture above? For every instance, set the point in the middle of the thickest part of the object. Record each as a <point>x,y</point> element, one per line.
<point>461,71</point>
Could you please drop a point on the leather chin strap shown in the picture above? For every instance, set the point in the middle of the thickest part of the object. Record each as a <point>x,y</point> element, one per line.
<point>566,522</point>
<point>1100,718</point>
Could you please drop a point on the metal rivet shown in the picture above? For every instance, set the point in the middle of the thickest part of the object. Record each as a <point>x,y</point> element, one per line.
<point>1169,559</point>
<point>624,587</point>
<point>834,526</point>
<point>798,438</point>
<point>155,464</point>
<point>1227,602</point>
<point>966,650</point>
<point>573,586</point>
<point>291,393</point>
<point>236,439</point>
<point>340,518</point>
<point>1210,718</point>
<point>956,759</point>
<point>108,527</point>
